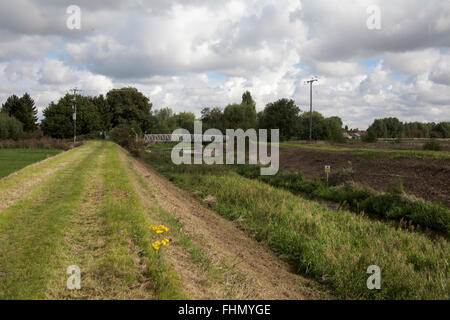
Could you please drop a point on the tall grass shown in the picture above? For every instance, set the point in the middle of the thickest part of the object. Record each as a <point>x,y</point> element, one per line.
<point>394,204</point>
<point>333,247</point>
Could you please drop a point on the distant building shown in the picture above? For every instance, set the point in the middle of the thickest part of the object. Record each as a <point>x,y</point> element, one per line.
<point>348,136</point>
<point>354,135</point>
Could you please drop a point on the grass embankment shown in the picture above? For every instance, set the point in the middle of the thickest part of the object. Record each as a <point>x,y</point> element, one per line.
<point>333,247</point>
<point>209,275</point>
<point>394,204</point>
<point>86,214</point>
<point>12,160</point>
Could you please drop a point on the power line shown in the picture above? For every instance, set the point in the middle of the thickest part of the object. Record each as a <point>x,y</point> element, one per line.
<point>310,106</point>
<point>74,103</point>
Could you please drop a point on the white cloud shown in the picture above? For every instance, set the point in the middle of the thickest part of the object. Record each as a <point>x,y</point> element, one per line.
<point>441,71</point>
<point>412,62</point>
<point>197,53</point>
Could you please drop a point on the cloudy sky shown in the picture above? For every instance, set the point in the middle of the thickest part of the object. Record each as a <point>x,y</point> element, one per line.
<point>203,53</point>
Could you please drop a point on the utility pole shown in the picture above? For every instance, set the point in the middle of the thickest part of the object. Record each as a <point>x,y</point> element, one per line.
<point>75,115</point>
<point>310,107</point>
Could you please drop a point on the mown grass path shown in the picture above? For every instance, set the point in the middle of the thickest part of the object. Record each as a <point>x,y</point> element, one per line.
<point>80,210</point>
<point>31,229</point>
<point>92,207</point>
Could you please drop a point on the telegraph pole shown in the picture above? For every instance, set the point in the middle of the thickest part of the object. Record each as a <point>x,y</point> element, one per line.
<point>74,115</point>
<point>310,106</point>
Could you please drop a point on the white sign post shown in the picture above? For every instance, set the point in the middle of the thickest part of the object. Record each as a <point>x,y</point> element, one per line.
<point>327,171</point>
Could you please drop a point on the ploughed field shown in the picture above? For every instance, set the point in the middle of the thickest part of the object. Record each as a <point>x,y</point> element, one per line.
<point>423,174</point>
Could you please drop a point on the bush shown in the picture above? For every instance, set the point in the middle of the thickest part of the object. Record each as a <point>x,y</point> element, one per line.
<point>89,136</point>
<point>370,137</point>
<point>36,134</point>
<point>344,175</point>
<point>122,135</point>
<point>432,145</point>
<point>396,189</point>
<point>128,137</point>
<point>42,143</point>
<point>10,128</point>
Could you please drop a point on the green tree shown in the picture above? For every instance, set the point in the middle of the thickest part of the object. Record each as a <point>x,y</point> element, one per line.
<point>164,121</point>
<point>317,127</point>
<point>11,105</point>
<point>370,136</point>
<point>213,119</point>
<point>129,106</point>
<point>10,127</point>
<point>441,130</point>
<point>185,120</point>
<point>58,118</point>
<point>394,127</point>
<point>386,128</point>
<point>239,116</point>
<point>333,129</point>
<point>29,113</point>
<point>283,115</point>
<point>22,109</point>
<point>105,113</point>
<point>377,129</point>
<point>247,99</point>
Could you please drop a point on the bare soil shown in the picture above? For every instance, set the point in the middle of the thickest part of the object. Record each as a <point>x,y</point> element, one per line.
<point>425,178</point>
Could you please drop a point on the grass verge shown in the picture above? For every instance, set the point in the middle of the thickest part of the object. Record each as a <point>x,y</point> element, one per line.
<point>394,204</point>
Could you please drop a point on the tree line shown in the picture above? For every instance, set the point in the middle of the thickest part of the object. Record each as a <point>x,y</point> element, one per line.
<point>17,115</point>
<point>127,110</point>
<point>394,128</point>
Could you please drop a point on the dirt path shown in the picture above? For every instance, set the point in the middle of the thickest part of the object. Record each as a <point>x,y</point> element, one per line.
<point>265,275</point>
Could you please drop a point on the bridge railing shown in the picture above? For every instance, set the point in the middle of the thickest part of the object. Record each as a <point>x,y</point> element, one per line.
<point>149,138</point>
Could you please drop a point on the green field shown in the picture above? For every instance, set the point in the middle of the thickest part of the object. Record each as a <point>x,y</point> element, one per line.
<point>12,160</point>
